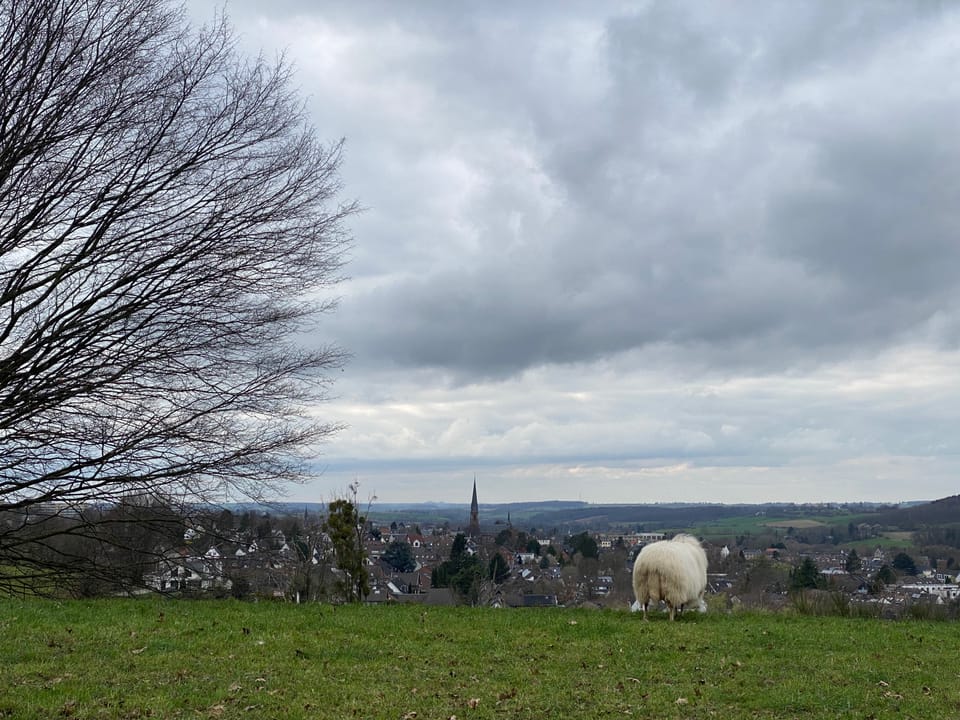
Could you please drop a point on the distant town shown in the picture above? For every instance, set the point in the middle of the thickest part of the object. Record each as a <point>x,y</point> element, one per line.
<point>872,559</point>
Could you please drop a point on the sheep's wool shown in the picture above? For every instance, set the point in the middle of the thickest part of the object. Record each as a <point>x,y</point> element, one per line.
<point>674,571</point>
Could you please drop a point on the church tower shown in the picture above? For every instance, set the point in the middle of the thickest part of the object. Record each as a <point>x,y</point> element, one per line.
<point>474,512</point>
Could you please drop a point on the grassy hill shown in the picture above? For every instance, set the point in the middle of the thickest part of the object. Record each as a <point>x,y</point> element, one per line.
<point>180,659</point>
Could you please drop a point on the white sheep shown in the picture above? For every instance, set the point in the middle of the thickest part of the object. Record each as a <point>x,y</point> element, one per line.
<point>674,571</point>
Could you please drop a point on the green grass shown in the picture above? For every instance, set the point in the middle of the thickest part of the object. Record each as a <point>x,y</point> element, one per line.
<point>178,659</point>
<point>746,525</point>
<point>814,525</point>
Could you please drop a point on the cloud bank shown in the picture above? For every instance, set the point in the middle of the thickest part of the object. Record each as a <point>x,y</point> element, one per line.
<point>640,252</point>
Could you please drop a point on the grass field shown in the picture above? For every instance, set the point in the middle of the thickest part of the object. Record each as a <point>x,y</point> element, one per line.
<point>748,525</point>
<point>179,659</point>
<point>797,524</point>
<point>727,528</point>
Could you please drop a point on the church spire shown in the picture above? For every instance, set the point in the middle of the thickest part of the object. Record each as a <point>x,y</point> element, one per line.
<point>474,511</point>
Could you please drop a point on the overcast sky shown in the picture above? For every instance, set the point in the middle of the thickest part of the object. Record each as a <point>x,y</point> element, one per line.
<point>639,251</point>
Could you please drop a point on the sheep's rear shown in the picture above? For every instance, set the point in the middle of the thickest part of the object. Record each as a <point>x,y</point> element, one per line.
<point>674,571</point>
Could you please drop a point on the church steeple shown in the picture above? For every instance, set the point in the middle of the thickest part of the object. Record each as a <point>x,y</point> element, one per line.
<point>474,511</point>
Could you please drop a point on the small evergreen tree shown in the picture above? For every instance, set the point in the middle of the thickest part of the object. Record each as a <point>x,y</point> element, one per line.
<point>439,576</point>
<point>469,579</point>
<point>853,562</point>
<point>344,526</point>
<point>399,556</point>
<point>499,571</point>
<point>459,548</point>
<point>584,544</point>
<point>463,572</point>
<point>884,576</point>
<point>444,573</point>
<point>806,575</point>
<point>905,564</point>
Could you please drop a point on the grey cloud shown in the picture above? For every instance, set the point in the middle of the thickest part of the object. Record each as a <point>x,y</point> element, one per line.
<point>650,250</point>
<point>712,191</point>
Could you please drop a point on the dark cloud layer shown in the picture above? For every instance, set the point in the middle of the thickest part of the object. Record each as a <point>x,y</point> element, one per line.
<point>782,181</point>
<point>620,231</point>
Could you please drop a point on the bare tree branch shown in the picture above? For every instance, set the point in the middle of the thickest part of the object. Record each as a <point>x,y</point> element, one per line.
<point>168,221</point>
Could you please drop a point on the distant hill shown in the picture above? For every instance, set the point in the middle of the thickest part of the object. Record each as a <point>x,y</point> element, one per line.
<point>671,516</point>
<point>945,511</point>
<point>575,516</point>
<point>569,516</point>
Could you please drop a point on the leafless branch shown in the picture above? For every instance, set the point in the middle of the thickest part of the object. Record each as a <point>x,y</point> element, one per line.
<point>167,221</point>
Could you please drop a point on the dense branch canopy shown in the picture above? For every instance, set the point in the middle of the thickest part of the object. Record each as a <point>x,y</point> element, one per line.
<point>167,223</point>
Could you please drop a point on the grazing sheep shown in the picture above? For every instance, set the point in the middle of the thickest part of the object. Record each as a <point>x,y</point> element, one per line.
<point>674,571</point>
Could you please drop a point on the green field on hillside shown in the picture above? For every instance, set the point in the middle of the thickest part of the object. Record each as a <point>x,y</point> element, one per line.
<point>723,530</point>
<point>756,525</point>
<point>181,659</point>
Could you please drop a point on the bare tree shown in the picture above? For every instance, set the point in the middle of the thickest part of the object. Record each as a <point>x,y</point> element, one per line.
<point>168,232</point>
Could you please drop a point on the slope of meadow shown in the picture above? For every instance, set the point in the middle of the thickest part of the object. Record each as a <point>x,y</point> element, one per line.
<point>180,659</point>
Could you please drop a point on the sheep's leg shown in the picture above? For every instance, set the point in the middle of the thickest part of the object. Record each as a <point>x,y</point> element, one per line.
<point>670,605</point>
<point>645,602</point>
